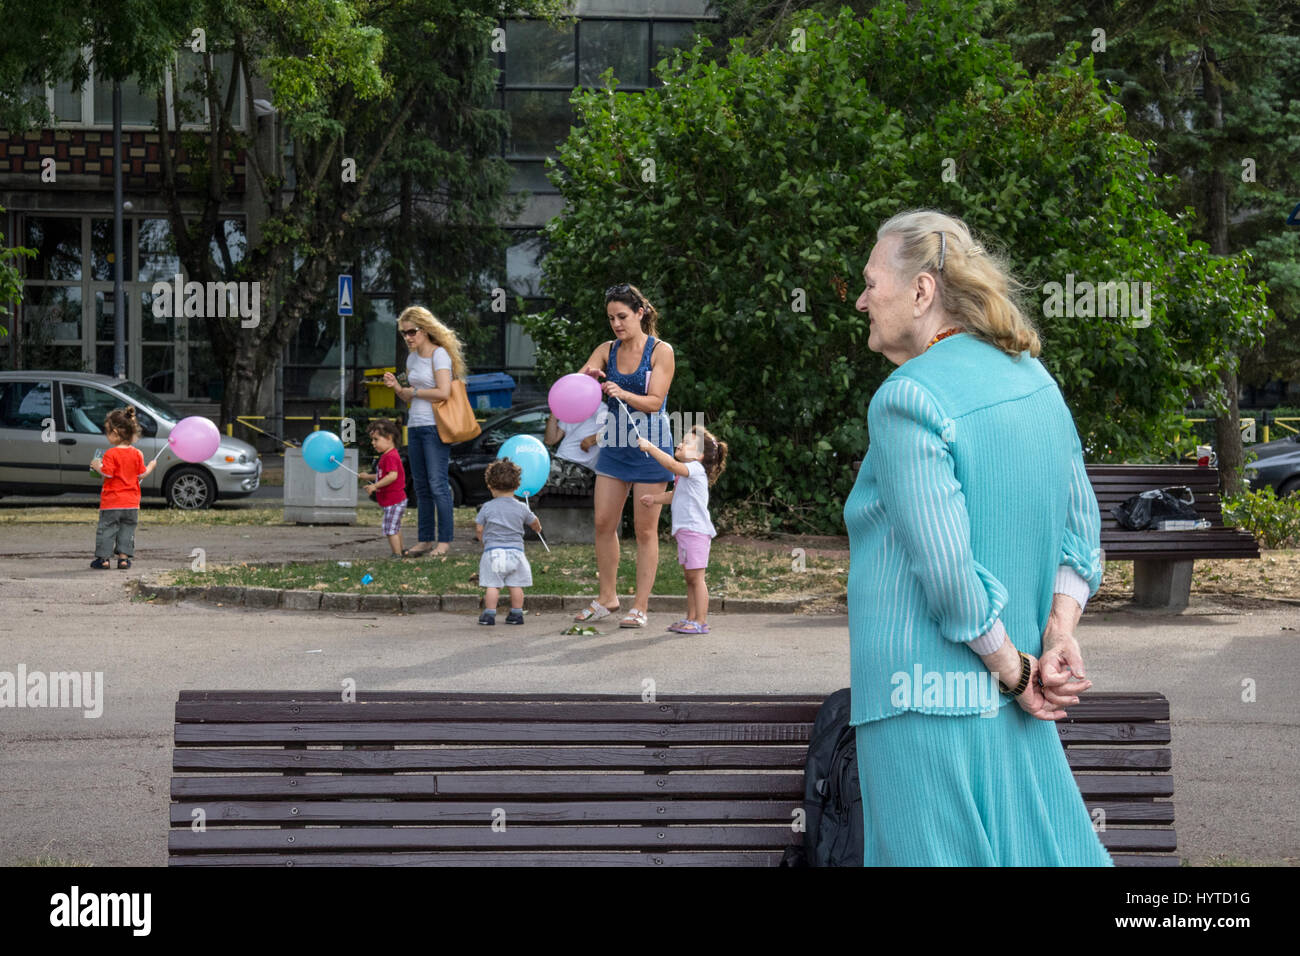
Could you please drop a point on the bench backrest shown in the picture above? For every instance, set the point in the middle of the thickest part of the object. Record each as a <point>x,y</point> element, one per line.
<point>1114,484</point>
<point>289,778</point>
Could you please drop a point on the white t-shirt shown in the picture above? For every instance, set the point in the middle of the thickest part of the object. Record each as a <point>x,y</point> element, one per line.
<point>570,447</point>
<point>419,374</point>
<point>691,501</point>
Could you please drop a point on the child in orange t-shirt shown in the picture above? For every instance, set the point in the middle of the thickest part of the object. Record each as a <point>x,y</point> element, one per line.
<point>119,502</point>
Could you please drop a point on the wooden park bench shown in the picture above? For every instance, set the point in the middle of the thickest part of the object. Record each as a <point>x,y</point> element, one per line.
<point>1163,560</point>
<point>286,778</point>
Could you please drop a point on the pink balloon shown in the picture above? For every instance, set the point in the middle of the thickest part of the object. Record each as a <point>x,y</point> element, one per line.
<point>194,439</point>
<point>574,398</point>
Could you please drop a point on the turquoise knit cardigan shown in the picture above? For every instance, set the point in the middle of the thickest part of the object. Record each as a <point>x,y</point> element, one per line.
<point>972,494</point>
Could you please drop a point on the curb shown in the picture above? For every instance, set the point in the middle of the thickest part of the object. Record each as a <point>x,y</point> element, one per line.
<point>296,600</point>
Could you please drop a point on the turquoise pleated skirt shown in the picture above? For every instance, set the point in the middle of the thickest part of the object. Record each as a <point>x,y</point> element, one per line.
<point>971,791</point>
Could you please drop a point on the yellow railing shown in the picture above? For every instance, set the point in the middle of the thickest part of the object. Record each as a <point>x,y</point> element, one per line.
<point>1251,436</point>
<point>247,422</point>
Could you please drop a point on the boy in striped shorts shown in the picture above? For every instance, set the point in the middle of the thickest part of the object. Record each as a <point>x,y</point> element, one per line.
<point>389,485</point>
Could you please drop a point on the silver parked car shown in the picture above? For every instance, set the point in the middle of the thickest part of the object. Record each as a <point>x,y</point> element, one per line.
<point>52,425</point>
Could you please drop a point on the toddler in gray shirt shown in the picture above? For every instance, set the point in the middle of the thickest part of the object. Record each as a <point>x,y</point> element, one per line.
<point>500,525</point>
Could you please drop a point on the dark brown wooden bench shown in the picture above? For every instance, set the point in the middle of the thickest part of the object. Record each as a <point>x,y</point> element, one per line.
<point>283,778</point>
<point>1163,560</point>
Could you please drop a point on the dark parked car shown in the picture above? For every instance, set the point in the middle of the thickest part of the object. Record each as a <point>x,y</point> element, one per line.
<point>1278,465</point>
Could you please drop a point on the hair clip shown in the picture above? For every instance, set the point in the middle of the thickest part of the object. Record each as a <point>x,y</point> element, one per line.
<point>943,248</point>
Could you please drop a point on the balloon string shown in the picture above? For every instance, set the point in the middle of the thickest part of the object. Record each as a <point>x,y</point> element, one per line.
<point>538,533</point>
<point>631,421</point>
<point>165,446</point>
<point>343,466</point>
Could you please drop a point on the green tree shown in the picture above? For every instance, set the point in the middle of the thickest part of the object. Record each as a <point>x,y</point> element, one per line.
<point>770,174</point>
<point>390,87</point>
<point>1214,90</point>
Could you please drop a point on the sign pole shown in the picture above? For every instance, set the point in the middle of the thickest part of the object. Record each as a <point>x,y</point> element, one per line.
<point>345,309</point>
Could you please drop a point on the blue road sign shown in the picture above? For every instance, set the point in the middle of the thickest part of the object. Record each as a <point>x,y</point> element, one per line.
<point>345,295</point>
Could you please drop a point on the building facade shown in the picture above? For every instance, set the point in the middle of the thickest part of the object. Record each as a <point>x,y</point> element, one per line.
<point>64,210</point>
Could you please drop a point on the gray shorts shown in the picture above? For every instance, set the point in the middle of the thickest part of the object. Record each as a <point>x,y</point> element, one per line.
<point>504,568</point>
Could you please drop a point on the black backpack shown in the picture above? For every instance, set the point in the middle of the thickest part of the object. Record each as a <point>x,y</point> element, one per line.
<point>832,802</point>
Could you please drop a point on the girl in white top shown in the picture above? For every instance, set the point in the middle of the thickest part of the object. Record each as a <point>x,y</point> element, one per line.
<point>696,464</point>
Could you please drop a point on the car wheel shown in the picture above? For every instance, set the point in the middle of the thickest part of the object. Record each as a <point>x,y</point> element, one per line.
<point>190,489</point>
<point>1289,487</point>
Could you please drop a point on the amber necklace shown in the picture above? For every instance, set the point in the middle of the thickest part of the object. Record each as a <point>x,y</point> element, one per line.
<point>943,335</point>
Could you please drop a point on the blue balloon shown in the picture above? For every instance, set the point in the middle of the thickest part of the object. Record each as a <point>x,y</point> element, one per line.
<point>533,460</point>
<point>319,448</point>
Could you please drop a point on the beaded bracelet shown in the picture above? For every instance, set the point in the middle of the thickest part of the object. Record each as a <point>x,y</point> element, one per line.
<point>1025,668</point>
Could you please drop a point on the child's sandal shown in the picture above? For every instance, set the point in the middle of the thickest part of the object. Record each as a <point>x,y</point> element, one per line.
<point>123,564</point>
<point>100,564</point>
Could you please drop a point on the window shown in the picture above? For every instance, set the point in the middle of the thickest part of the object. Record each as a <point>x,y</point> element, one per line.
<point>533,423</point>
<point>57,241</point>
<point>92,104</point>
<point>158,259</point>
<point>539,121</point>
<point>139,106</point>
<point>85,408</point>
<point>621,44</point>
<point>538,54</point>
<point>101,250</point>
<point>25,405</point>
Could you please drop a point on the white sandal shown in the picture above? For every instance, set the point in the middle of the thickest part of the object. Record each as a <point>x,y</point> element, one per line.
<point>634,618</point>
<point>594,611</point>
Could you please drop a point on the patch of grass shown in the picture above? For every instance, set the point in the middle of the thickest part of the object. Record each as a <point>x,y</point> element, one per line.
<point>734,571</point>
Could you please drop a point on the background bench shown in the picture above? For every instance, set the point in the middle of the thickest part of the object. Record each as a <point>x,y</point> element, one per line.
<point>288,778</point>
<point>1162,560</point>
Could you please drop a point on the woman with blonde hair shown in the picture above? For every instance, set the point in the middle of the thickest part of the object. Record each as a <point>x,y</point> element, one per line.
<point>974,545</point>
<point>434,358</point>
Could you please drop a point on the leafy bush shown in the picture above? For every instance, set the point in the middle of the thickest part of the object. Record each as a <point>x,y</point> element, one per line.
<point>1274,521</point>
<point>738,194</point>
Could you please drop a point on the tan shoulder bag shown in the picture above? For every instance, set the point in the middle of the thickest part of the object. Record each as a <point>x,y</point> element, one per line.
<point>455,417</point>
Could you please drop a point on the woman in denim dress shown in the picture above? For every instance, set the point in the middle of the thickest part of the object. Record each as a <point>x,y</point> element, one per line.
<point>638,371</point>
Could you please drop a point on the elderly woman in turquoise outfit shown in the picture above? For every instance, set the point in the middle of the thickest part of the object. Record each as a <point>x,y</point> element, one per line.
<point>974,546</point>
<point>637,370</point>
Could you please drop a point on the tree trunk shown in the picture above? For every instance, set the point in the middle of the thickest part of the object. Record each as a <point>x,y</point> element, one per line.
<point>1227,423</point>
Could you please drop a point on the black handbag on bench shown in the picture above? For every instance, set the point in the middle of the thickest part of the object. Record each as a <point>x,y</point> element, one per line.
<point>1147,509</point>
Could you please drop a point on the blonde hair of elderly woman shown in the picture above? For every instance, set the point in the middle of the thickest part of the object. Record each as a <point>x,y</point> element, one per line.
<point>439,334</point>
<point>975,286</point>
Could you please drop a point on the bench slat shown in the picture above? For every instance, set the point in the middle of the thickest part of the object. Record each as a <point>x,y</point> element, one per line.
<point>218,813</point>
<point>489,858</point>
<point>492,732</point>
<point>1125,759</point>
<point>625,710</point>
<point>758,836</point>
<point>495,758</point>
<point>378,813</point>
<point>1124,785</point>
<point>431,786</point>
<point>576,758</point>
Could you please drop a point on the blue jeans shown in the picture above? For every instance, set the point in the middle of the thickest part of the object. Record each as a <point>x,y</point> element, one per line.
<point>430,456</point>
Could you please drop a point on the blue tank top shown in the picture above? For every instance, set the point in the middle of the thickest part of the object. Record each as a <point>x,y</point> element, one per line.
<point>636,381</point>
